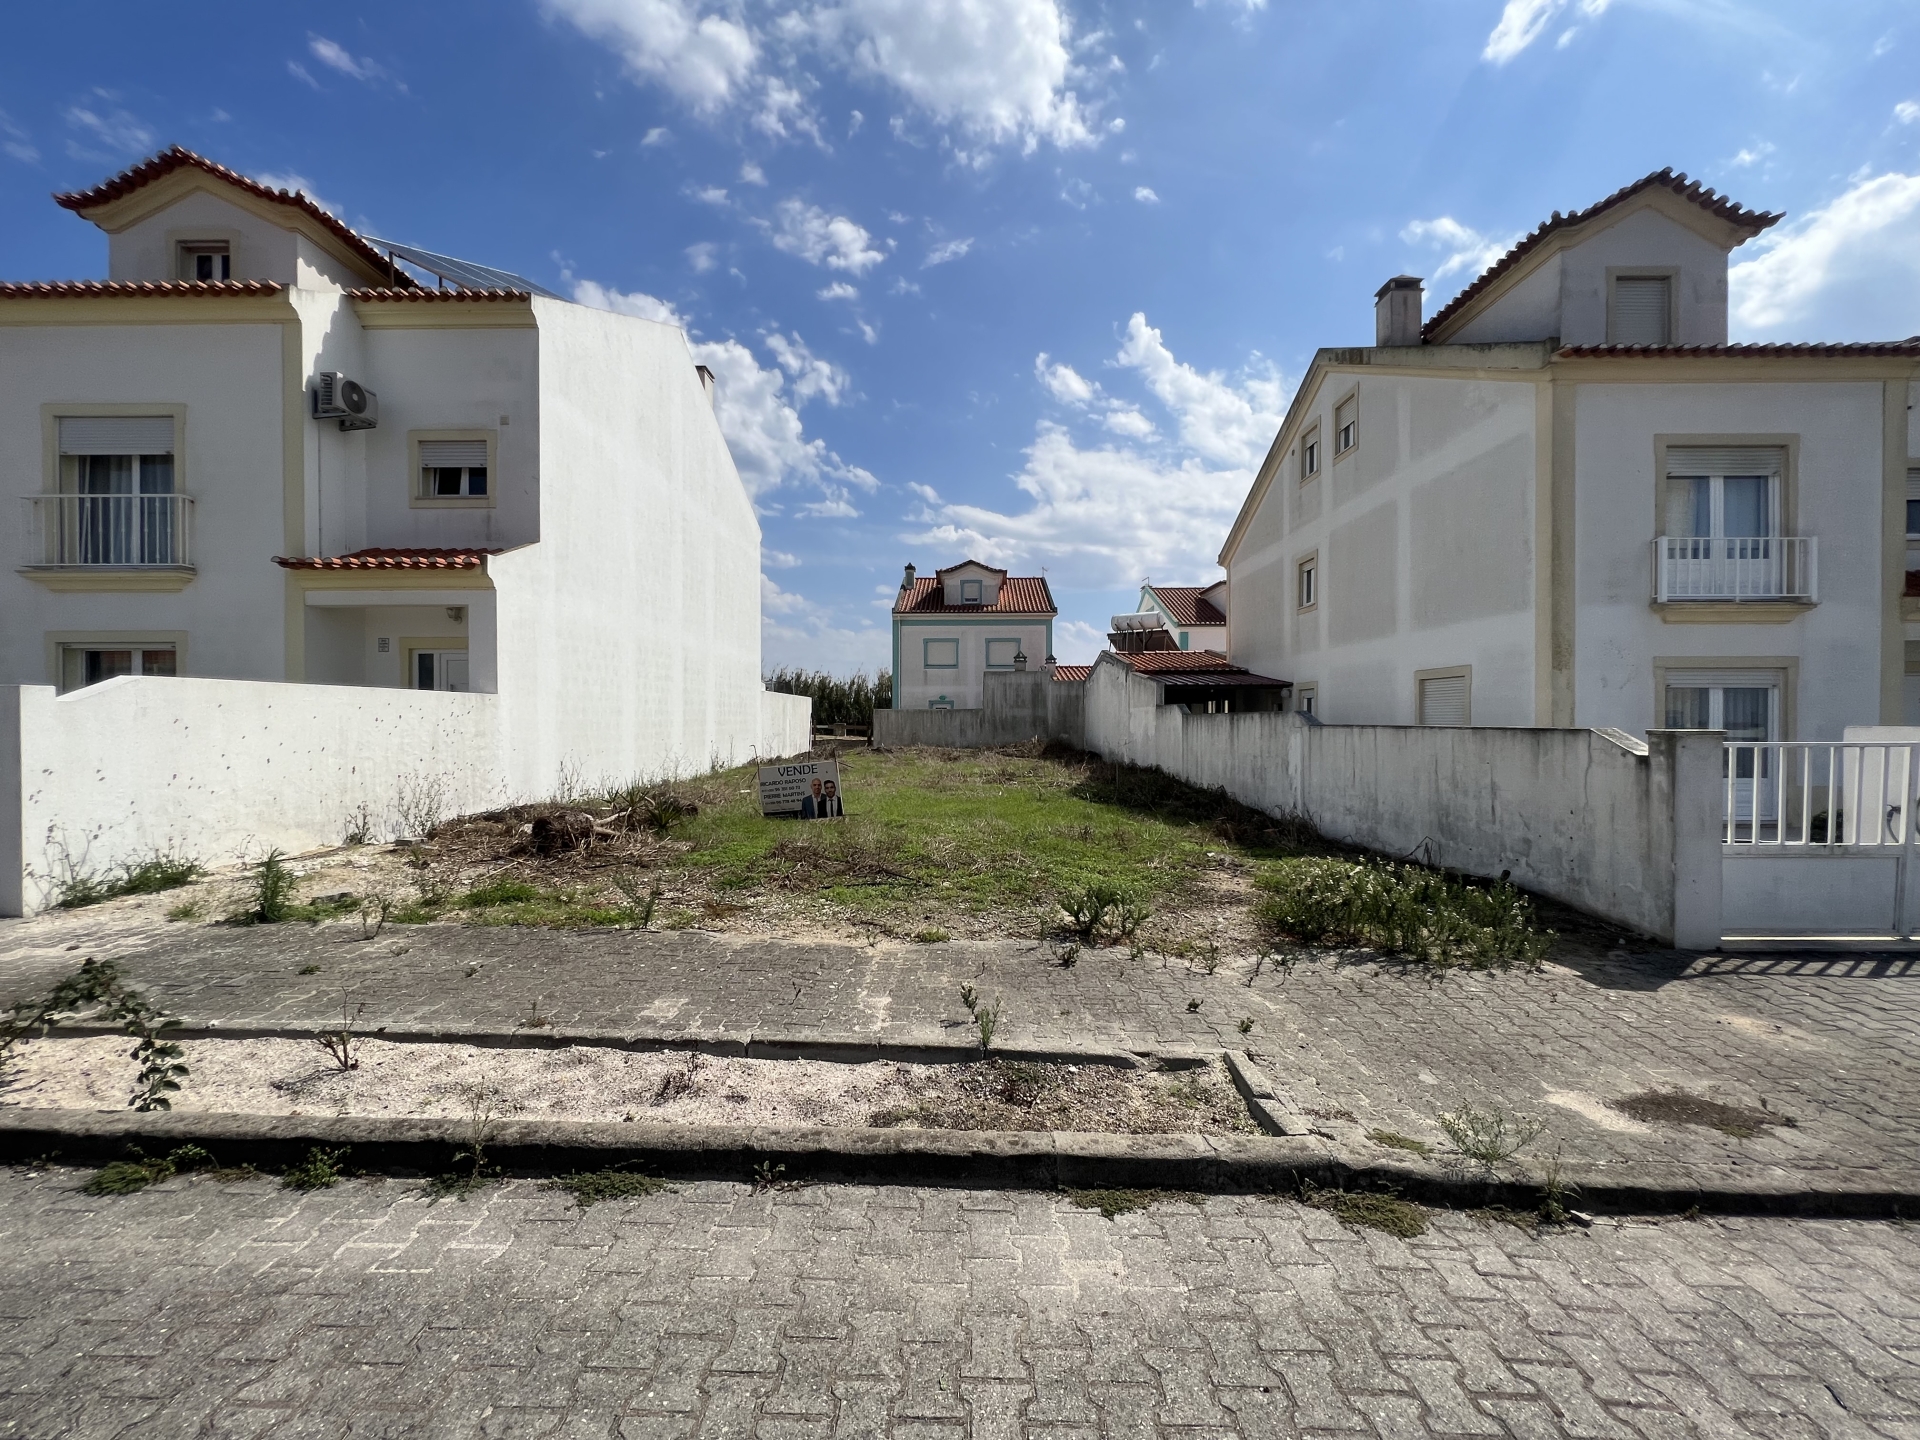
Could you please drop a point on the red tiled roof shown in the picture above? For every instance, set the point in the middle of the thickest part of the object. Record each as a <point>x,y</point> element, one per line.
<point>1184,604</point>
<point>422,292</point>
<point>1072,672</point>
<point>1867,348</point>
<point>1192,667</point>
<point>1752,221</point>
<point>949,569</point>
<point>1019,595</point>
<point>31,289</point>
<point>177,157</point>
<point>386,559</point>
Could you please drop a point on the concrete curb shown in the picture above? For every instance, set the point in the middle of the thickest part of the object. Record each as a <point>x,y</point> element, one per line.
<point>987,1159</point>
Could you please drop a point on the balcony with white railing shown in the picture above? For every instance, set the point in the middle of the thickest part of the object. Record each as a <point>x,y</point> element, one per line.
<point>1735,568</point>
<point>81,534</point>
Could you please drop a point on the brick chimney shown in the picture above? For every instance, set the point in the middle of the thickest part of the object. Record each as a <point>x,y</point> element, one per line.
<point>1396,311</point>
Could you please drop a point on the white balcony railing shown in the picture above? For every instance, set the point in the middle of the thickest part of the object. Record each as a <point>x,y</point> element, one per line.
<point>117,531</point>
<point>1736,567</point>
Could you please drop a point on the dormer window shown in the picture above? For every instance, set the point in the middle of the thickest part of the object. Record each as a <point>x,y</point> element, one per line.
<point>205,260</point>
<point>1642,310</point>
<point>969,592</point>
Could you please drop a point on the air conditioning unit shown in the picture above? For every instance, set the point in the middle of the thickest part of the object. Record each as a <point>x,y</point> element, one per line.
<point>336,397</point>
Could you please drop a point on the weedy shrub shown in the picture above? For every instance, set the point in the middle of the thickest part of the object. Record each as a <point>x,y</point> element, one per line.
<point>1020,1084</point>
<point>502,891</point>
<point>273,889</point>
<point>590,1187</point>
<point>126,1177</point>
<point>319,1171</point>
<point>1103,910</point>
<point>420,805</point>
<point>75,888</point>
<point>186,910</point>
<point>835,701</point>
<point>1492,1137</point>
<point>932,935</point>
<point>639,906</point>
<point>988,1021</point>
<point>360,827</point>
<point>99,988</point>
<point>1401,909</point>
<point>343,1046</point>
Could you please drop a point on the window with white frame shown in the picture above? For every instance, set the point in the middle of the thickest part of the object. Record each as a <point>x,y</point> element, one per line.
<point>1346,425</point>
<point>1000,654</point>
<point>1724,493</point>
<point>96,660</point>
<point>117,483</point>
<point>969,592</point>
<point>1310,454</point>
<point>205,260</point>
<point>1307,582</point>
<point>440,670</point>
<point>1306,699</point>
<point>1642,310</point>
<point>940,654</point>
<point>453,469</point>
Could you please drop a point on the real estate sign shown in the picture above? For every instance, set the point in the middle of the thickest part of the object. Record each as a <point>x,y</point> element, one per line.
<point>804,789</point>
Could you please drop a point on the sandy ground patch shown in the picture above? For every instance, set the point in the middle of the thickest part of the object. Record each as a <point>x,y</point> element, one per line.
<point>297,1077</point>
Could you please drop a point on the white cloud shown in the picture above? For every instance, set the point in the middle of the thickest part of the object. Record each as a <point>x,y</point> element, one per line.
<point>752,174</point>
<point>1102,514</point>
<point>336,57</point>
<point>1075,642</point>
<point>705,60</point>
<point>1907,111</point>
<point>703,256</point>
<point>1064,383</point>
<point>297,184</point>
<point>1523,21</point>
<point>119,131</point>
<point>812,376</point>
<point>778,559</point>
<point>822,239</point>
<point>1465,249</point>
<point>948,250</point>
<point>711,195</point>
<point>1849,270</point>
<point>996,72</point>
<point>1752,155</point>
<point>658,135</point>
<point>902,286</point>
<point>1145,195</point>
<point>838,290</point>
<point>633,302</point>
<point>299,72</point>
<point>17,142</point>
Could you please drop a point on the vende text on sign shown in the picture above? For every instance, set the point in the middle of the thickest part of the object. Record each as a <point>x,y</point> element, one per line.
<point>804,789</point>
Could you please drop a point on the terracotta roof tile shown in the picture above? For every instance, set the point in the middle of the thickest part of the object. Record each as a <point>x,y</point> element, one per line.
<point>1167,662</point>
<point>424,293</point>
<point>1072,672</point>
<point>1184,604</point>
<point>177,157</point>
<point>1752,221</point>
<point>1019,595</point>
<point>1867,348</point>
<point>32,289</point>
<point>388,559</point>
<point>949,569</point>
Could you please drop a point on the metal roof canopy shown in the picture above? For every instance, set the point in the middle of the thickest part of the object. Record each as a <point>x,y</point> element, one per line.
<point>461,273</point>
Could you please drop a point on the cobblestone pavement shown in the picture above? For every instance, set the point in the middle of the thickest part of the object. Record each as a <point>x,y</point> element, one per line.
<point>1832,1042</point>
<point>205,1309</point>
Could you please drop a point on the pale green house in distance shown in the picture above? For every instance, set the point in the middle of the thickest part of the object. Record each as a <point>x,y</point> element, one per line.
<point>1176,617</point>
<point>965,620</point>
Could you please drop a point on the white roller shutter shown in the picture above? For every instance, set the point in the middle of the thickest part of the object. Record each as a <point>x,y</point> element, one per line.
<point>1443,700</point>
<point>467,454</point>
<point>1726,679</point>
<point>1640,310</point>
<point>1725,460</point>
<point>116,435</point>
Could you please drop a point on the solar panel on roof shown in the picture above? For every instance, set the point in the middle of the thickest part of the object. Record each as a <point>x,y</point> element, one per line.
<point>463,273</point>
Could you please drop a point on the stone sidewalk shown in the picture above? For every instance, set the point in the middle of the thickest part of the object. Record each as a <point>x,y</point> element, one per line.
<point>1833,1042</point>
<point>844,1311</point>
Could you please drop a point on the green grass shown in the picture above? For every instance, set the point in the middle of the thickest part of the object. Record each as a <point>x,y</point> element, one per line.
<point>127,1177</point>
<point>1371,1210</point>
<point>592,1186</point>
<point>1393,1140</point>
<point>157,872</point>
<point>938,834</point>
<point>1401,909</point>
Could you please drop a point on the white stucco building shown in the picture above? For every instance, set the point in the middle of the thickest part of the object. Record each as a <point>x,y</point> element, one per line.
<point>545,511</point>
<point>959,624</point>
<point>1566,500</point>
<point>1185,617</point>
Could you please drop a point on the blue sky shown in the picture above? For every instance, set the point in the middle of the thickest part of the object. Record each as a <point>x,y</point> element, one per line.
<point>1028,280</point>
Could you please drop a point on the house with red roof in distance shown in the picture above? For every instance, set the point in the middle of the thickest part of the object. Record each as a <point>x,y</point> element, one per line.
<point>1181,617</point>
<point>268,448</point>
<point>956,626</point>
<point>1566,500</point>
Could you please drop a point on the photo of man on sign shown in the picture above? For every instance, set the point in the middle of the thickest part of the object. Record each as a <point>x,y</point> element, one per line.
<point>802,790</point>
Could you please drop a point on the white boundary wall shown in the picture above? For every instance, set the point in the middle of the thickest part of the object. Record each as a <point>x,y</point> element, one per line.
<point>1589,817</point>
<point>221,770</point>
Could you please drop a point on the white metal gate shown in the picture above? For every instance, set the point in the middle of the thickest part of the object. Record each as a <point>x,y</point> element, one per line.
<point>1819,839</point>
